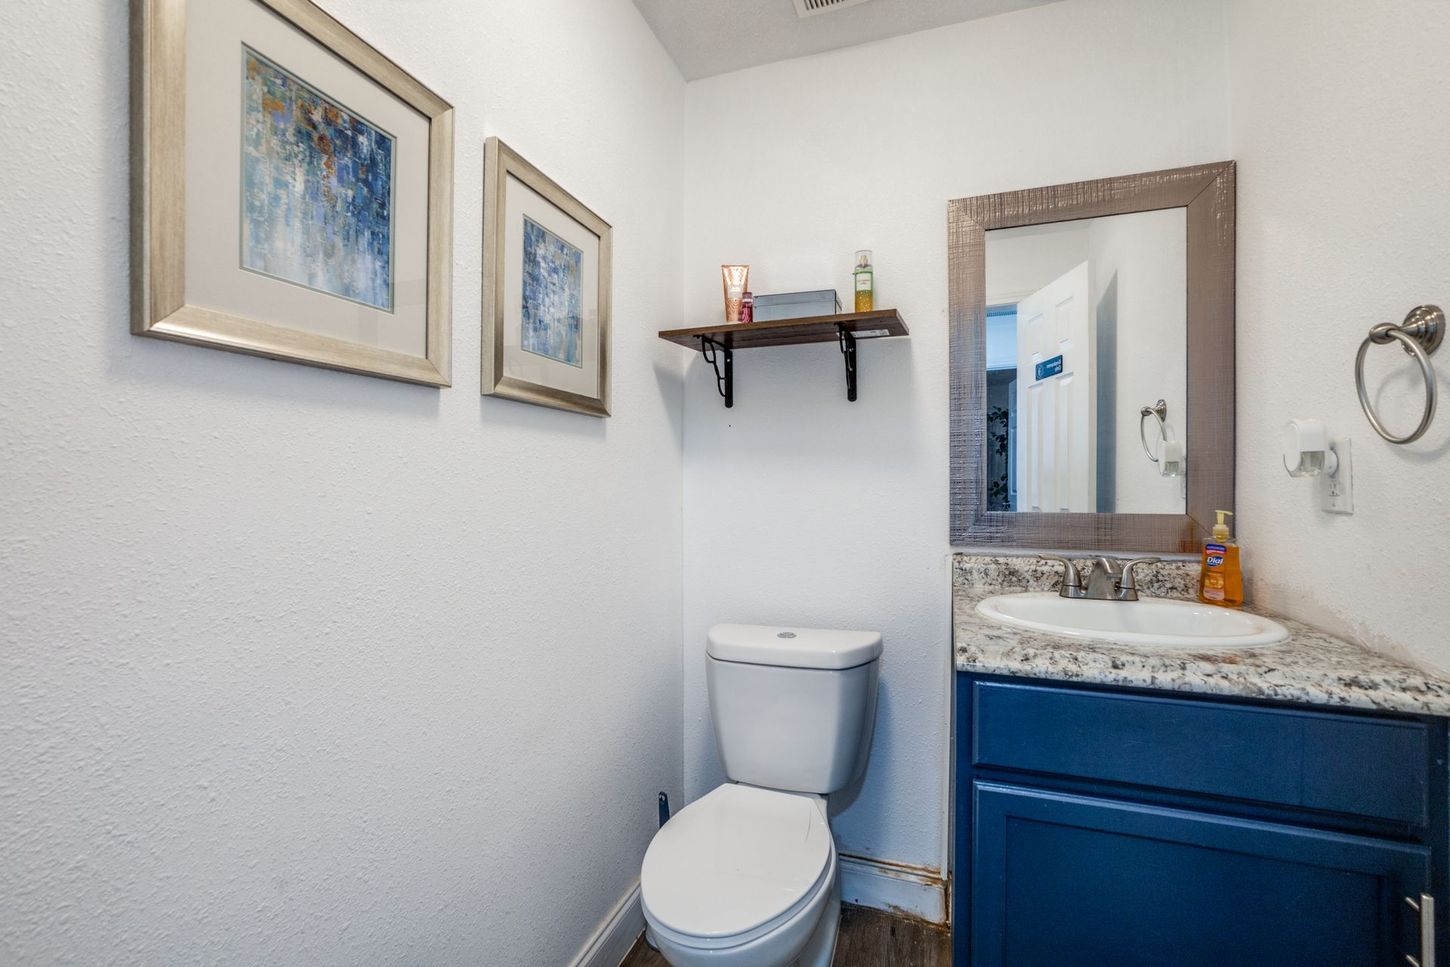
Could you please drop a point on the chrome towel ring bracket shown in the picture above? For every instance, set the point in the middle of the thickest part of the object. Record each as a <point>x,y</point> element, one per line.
<point>1420,335</point>
<point>1169,455</point>
<point>1160,410</point>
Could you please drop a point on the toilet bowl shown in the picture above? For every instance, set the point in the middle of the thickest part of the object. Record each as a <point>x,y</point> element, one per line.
<point>746,875</point>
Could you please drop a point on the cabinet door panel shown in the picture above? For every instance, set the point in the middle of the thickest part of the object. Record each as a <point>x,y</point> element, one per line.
<point>1063,879</point>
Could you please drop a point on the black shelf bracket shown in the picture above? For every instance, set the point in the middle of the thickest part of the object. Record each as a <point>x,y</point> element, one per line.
<point>717,354</point>
<point>848,352</point>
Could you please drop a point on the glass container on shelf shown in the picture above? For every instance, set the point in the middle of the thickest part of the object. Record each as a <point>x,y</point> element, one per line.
<point>865,281</point>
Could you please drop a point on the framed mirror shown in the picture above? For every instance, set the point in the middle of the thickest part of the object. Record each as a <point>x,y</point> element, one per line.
<point>1092,362</point>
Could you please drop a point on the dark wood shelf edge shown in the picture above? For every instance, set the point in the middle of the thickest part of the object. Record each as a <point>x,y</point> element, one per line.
<point>717,343</point>
<point>789,332</point>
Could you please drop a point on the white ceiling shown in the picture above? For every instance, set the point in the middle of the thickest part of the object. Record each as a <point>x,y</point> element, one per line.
<point>708,37</point>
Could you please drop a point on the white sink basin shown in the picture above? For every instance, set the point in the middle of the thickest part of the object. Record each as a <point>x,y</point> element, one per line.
<point>1148,621</point>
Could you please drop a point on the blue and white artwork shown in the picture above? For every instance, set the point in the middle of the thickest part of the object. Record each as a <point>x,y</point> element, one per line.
<point>317,189</point>
<point>553,323</point>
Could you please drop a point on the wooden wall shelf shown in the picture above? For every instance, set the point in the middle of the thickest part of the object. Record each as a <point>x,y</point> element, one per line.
<point>718,343</point>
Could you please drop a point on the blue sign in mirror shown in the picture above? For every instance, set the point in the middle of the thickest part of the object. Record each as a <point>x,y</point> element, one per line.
<point>1049,367</point>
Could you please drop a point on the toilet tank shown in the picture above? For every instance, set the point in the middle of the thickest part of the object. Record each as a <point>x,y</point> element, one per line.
<point>793,708</point>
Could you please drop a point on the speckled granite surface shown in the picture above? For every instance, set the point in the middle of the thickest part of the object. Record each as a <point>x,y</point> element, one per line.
<point>1310,667</point>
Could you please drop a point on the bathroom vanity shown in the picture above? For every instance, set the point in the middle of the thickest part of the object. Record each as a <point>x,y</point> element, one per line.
<point>1130,804</point>
<point>1153,782</point>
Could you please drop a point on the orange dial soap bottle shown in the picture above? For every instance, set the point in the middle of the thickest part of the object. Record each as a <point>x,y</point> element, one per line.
<point>1221,581</point>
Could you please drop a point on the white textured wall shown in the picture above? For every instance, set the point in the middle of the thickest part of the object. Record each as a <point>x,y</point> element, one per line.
<point>299,667</point>
<point>799,506</point>
<point>1341,133</point>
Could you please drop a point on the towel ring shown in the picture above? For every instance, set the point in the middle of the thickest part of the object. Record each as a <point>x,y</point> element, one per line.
<point>1420,334</point>
<point>1160,410</point>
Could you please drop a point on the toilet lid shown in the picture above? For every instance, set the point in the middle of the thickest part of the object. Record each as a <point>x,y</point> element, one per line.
<point>734,860</point>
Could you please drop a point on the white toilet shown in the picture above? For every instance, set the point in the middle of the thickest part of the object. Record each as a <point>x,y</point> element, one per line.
<point>746,875</point>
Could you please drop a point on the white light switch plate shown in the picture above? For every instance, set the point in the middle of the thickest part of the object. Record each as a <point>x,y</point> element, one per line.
<point>1336,493</point>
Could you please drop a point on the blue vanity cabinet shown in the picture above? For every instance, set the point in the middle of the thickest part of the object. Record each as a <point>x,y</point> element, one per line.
<point>1118,827</point>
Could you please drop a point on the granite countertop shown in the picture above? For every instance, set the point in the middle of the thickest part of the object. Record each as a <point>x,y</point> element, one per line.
<point>1310,667</point>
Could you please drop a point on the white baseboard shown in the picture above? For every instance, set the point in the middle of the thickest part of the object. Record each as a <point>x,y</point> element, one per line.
<point>911,891</point>
<point>616,935</point>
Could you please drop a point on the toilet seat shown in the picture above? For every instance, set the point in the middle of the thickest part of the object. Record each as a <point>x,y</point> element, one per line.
<point>736,864</point>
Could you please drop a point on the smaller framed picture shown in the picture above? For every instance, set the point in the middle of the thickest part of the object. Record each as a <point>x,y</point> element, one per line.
<point>546,290</point>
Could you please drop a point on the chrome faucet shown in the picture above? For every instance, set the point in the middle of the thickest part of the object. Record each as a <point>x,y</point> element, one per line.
<point>1099,578</point>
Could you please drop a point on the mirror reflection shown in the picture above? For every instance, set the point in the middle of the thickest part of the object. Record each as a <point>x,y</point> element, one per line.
<point>1087,365</point>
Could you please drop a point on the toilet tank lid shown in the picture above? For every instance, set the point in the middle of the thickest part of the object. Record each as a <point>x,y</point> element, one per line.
<point>789,647</point>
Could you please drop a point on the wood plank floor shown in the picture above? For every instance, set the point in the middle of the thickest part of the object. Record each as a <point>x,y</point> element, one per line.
<point>868,938</point>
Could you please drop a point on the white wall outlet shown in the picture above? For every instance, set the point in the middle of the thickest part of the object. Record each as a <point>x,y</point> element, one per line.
<point>1336,490</point>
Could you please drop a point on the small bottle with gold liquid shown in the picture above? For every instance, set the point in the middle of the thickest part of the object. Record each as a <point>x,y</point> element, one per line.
<point>865,282</point>
<point>1221,580</point>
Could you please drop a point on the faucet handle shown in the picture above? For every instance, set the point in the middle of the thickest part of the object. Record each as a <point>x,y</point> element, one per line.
<point>1126,580</point>
<point>1071,576</point>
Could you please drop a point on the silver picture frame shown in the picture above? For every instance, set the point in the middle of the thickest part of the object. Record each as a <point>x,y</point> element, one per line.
<point>500,163</point>
<point>159,306</point>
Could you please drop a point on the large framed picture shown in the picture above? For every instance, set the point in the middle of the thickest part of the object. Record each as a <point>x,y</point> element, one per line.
<point>291,190</point>
<point>546,289</point>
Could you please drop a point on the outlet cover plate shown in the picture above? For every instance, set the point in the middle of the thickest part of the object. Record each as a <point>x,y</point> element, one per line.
<point>1337,491</point>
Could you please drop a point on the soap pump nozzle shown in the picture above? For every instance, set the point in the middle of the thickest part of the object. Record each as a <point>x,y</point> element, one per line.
<point>1220,530</point>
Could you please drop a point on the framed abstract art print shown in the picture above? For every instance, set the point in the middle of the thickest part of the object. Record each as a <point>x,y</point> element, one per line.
<point>546,289</point>
<point>291,190</point>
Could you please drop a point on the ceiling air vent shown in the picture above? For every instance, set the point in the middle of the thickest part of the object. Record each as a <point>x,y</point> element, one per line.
<point>810,8</point>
